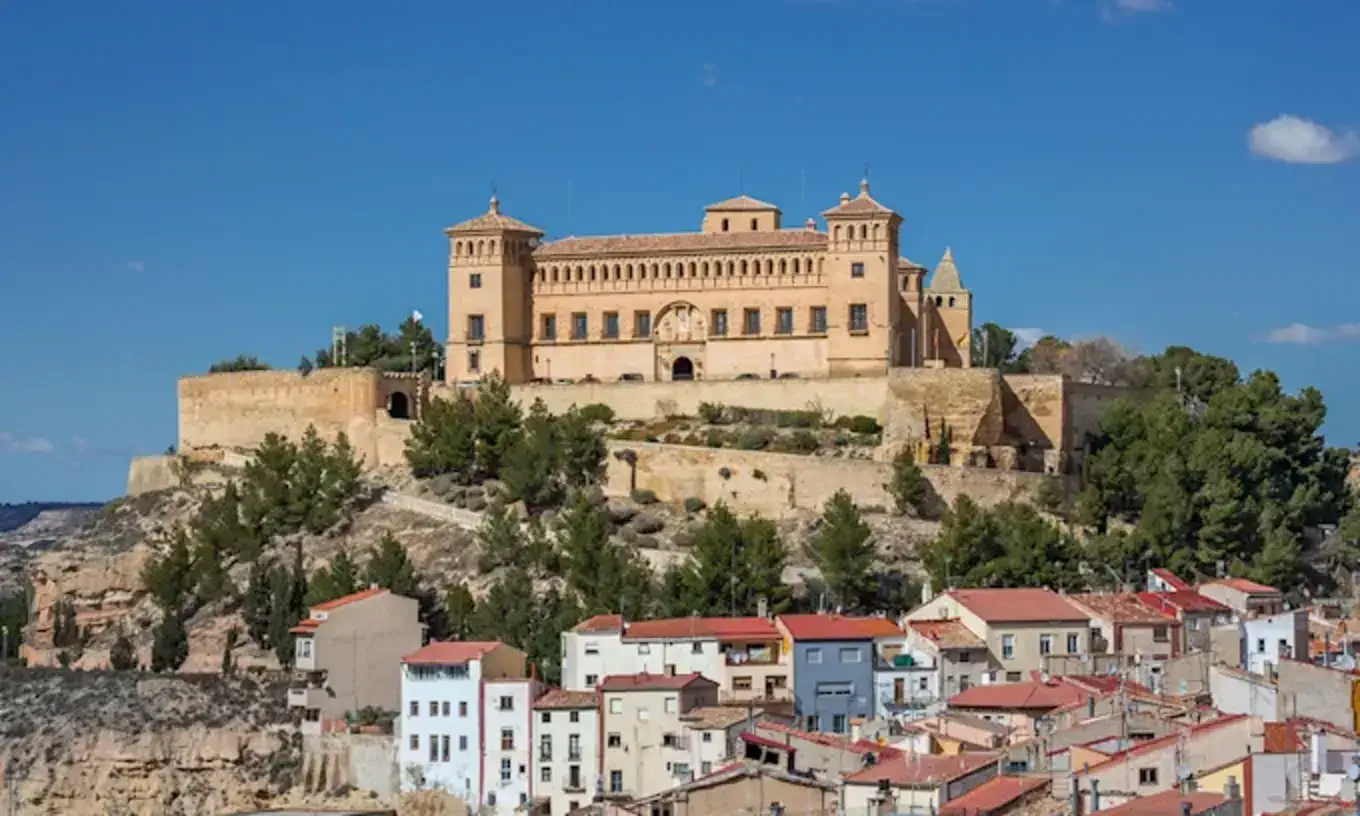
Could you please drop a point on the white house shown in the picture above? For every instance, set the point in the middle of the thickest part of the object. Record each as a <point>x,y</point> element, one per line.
<point>443,721</point>
<point>593,649</point>
<point>566,749</point>
<point>906,678</point>
<point>712,735</point>
<point>507,756</point>
<point>1268,639</point>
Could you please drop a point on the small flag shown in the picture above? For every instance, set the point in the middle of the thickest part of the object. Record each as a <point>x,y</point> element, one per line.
<point>417,316</point>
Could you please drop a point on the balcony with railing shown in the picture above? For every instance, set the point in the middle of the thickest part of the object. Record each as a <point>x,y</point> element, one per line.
<point>751,654</point>
<point>676,742</point>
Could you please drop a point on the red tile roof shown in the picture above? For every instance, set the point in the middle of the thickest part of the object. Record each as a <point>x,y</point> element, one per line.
<point>1163,741</point>
<point>600,624</point>
<point>305,627</point>
<point>1183,600</point>
<point>828,740</point>
<point>756,739</point>
<point>1123,608</point>
<point>452,652</point>
<point>1171,579</point>
<point>1243,585</point>
<point>1035,695</point>
<point>1284,738</point>
<point>949,633</point>
<point>560,699</point>
<point>349,599</point>
<point>837,627</point>
<point>751,628</point>
<point>1167,803</point>
<point>921,770</point>
<point>652,682</point>
<point>1018,605</point>
<point>993,795</point>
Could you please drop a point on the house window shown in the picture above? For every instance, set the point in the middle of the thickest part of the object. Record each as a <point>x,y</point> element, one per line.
<point>434,748</point>
<point>857,270</point>
<point>545,748</point>
<point>611,325</point>
<point>506,770</point>
<point>507,704</point>
<point>708,736</point>
<point>574,747</point>
<point>1260,645</point>
<point>751,322</point>
<point>434,709</point>
<point>304,648</point>
<point>592,679</point>
<point>475,280</point>
<point>783,320</point>
<point>614,740</point>
<point>545,774</point>
<point>476,327</point>
<point>642,324</point>
<point>1012,677</point>
<point>574,716</point>
<point>444,708</point>
<point>1147,776</point>
<point>719,322</point>
<point>681,770</point>
<point>1159,634</point>
<point>1045,644</point>
<point>415,709</point>
<point>859,317</point>
<point>923,684</point>
<point>415,742</point>
<point>507,739</point>
<point>616,777</point>
<point>579,326</point>
<point>1007,647</point>
<point>444,748</point>
<point>616,705</point>
<point>851,654</point>
<point>462,708</point>
<point>814,655</point>
<point>549,329</point>
<point>835,689</point>
<point>491,797</point>
<point>696,648</point>
<point>838,723</point>
<point>1073,644</point>
<point>669,705</point>
<point>965,682</point>
<point>592,648</point>
<point>643,714</point>
<point>818,320</point>
<point>474,361</point>
<point>742,683</point>
<point>644,648</point>
<point>462,743</point>
<point>1193,623</point>
<point>705,768</point>
<point>965,656</point>
<point>545,717</point>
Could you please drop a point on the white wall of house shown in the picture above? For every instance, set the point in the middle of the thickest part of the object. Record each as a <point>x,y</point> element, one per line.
<point>508,711</point>
<point>1268,638</point>
<point>453,694</point>
<point>568,778</point>
<point>919,684</point>
<point>588,657</point>
<point>1235,694</point>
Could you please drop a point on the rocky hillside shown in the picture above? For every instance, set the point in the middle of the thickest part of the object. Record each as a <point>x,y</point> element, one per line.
<point>29,528</point>
<point>78,743</point>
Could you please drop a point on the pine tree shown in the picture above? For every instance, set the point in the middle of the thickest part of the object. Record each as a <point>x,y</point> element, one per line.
<point>169,578</point>
<point>266,495</point>
<point>734,563</point>
<point>122,655</point>
<point>843,549</point>
<point>339,579</point>
<point>582,455</point>
<point>908,487</point>
<point>444,440</point>
<point>530,468</point>
<point>497,422</point>
<point>281,615</point>
<point>462,611</point>
<point>389,567</point>
<point>171,646</point>
<point>502,542</point>
<point>255,606</point>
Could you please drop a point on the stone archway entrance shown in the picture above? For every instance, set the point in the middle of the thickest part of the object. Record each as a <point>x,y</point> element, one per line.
<point>398,406</point>
<point>682,369</point>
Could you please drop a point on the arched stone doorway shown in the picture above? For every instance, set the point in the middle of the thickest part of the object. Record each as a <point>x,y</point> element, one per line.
<point>398,406</point>
<point>682,369</point>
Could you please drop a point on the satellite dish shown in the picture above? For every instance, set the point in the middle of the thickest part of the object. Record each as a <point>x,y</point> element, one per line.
<point>1354,772</point>
<point>1183,771</point>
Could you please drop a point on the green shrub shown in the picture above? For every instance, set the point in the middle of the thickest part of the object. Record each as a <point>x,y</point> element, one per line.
<point>672,438</point>
<point>859,425</point>
<point>715,438</point>
<point>803,441</point>
<point>908,487</point>
<point>642,496</point>
<point>1051,494</point>
<point>798,419</point>
<point>711,412</point>
<point>694,504</point>
<point>598,412</point>
<point>755,438</point>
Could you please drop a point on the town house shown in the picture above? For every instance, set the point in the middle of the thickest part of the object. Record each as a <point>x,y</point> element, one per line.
<point>958,655</point>
<point>347,656</point>
<point>911,783</point>
<point>507,755</point>
<point>590,646</point>
<point>833,666</point>
<point>1196,614</point>
<point>567,753</point>
<point>646,744</point>
<point>1123,625</point>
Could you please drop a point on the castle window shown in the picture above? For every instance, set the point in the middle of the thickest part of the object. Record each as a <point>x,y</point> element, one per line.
<point>705,269</point>
<point>939,301</point>
<point>642,324</point>
<point>783,320</point>
<point>549,327</point>
<point>475,280</point>
<point>754,222</point>
<point>743,268</point>
<point>731,267</point>
<point>719,321</point>
<point>857,270</point>
<point>859,317</point>
<point>630,271</point>
<point>875,232</point>
<point>481,247</point>
<point>579,326</point>
<point>692,268</point>
<point>783,266</point>
<point>836,232</point>
<point>769,266</point>
<point>616,271</point>
<point>491,246</point>
<point>655,272</point>
<point>724,225</point>
<point>951,300</point>
<point>474,361</point>
<point>580,274</point>
<point>554,274</point>
<point>457,248</point>
<point>863,231</point>
<point>475,327</point>
<point>667,269</point>
<point>611,325</point>
<point>542,275</point>
<point>794,265</point>
<point>398,407</point>
<point>751,322</point>
<point>817,320</point>
<point>592,274</point>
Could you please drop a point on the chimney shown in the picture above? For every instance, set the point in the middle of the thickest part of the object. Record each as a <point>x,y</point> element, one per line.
<point>762,607</point>
<point>1091,706</point>
<point>1076,797</point>
<point>1095,795</point>
<point>1231,790</point>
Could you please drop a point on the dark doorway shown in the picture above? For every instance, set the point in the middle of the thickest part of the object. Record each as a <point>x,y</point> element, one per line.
<point>682,369</point>
<point>398,406</point>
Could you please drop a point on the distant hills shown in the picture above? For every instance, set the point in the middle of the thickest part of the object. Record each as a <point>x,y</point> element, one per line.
<point>14,516</point>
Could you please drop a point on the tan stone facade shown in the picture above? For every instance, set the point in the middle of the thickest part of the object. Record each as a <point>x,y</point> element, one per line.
<point>742,297</point>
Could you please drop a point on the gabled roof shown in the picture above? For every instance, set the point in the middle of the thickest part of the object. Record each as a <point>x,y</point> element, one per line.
<point>1245,586</point>
<point>1018,605</point>
<point>1167,803</point>
<point>363,595</point>
<point>993,795</point>
<point>862,204</point>
<point>1033,696</point>
<point>1123,608</point>
<point>741,203</point>
<point>1170,578</point>
<point>948,633</point>
<point>1284,738</point>
<point>600,624</point>
<point>696,628</point>
<point>703,718</point>
<point>450,653</point>
<point>653,682</point>
<point>493,221</point>
<point>921,770</point>
<point>837,627</point>
<point>1187,600</point>
<point>1165,741</point>
<point>734,771</point>
<point>561,699</point>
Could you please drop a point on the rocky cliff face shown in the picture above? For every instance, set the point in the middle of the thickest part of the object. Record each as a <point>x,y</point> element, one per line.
<point>80,743</point>
<point>28,529</point>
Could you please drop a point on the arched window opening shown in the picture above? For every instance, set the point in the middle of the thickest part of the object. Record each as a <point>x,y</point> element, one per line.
<point>629,271</point>
<point>875,232</point>
<point>783,266</point>
<point>667,269</point>
<point>705,269</point>
<point>939,301</point>
<point>480,247</point>
<point>863,231</point>
<point>769,266</point>
<point>836,232</point>
<point>951,301</point>
<point>398,406</point>
<point>754,223</point>
<point>743,268</point>
<point>491,246</point>
<point>724,225</point>
<point>682,369</point>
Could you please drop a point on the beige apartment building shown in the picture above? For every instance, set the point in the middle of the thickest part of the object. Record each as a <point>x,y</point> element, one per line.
<point>347,655</point>
<point>743,296</point>
<point>647,746</point>
<point>1020,626</point>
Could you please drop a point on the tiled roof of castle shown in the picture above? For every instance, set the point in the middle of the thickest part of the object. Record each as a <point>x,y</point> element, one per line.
<point>949,633</point>
<point>493,220</point>
<point>447,653</point>
<point>571,247</point>
<point>749,628</point>
<point>1018,605</point>
<point>837,627</point>
<point>741,203</point>
<point>862,204</point>
<point>946,277</point>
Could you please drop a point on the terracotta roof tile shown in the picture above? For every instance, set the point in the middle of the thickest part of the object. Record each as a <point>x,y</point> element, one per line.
<point>993,795</point>
<point>837,627</point>
<point>1018,605</point>
<point>740,203</point>
<point>1187,600</point>
<point>1124,608</point>
<point>561,699</point>
<point>1283,738</point>
<point>572,247</point>
<point>493,220</point>
<point>600,624</point>
<point>1168,739</point>
<point>1243,585</point>
<point>652,682</point>
<point>1035,695</point>
<point>307,627</point>
<point>827,740</point>
<point>371,592</point>
<point>921,770</point>
<point>949,633</point>
<point>707,628</point>
<point>705,717</point>
<point>1171,579</point>
<point>452,652</point>
<point>1167,803</point>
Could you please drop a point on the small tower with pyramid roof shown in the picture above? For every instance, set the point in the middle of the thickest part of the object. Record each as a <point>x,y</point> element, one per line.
<point>949,316</point>
<point>490,297</point>
<point>863,309</point>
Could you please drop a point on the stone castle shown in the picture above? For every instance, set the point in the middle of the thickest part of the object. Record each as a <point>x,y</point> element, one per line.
<point>741,313</point>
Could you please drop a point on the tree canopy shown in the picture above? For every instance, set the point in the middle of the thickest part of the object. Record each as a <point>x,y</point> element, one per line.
<point>369,345</point>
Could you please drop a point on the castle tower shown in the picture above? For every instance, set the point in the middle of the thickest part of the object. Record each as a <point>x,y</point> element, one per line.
<point>949,316</point>
<point>864,308</point>
<point>490,289</point>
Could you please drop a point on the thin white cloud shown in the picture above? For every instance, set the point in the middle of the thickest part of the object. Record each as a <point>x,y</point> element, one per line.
<point>1143,6</point>
<point>1301,334</point>
<point>80,444</point>
<point>9,443</point>
<point>708,75</point>
<point>1295,140</point>
<point>1024,338</point>
<point>136,266</point>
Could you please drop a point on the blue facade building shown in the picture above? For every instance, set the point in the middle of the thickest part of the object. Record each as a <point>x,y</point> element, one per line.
<point>833,667</point>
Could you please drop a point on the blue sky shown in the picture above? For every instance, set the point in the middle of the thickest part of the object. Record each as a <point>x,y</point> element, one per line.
<point>183,182</point>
